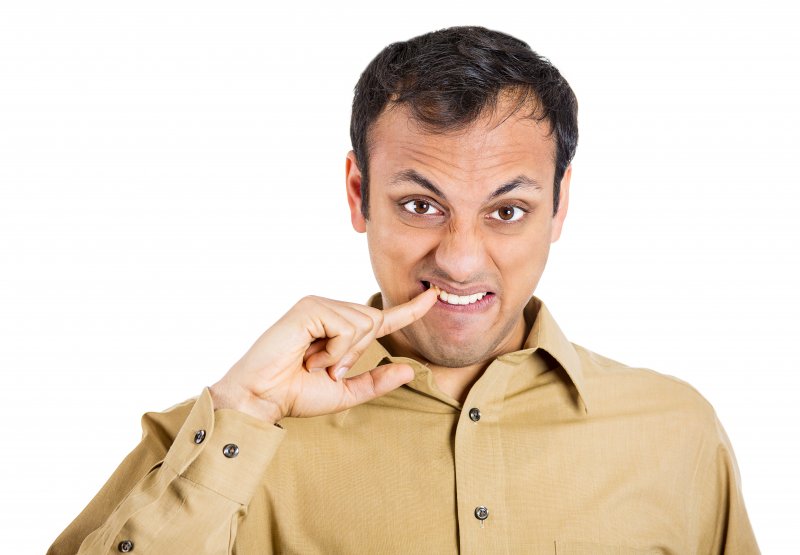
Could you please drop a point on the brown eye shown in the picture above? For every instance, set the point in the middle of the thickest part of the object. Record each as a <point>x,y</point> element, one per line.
<point>421,207</point>
<point>508,213</point>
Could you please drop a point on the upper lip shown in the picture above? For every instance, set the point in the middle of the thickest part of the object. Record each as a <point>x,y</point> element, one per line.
<point>471,290</point>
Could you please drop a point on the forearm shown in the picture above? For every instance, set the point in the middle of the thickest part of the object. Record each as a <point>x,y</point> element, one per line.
<point>190,501</point>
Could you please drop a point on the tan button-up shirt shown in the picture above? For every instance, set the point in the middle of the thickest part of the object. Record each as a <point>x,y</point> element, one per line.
<point>556,450</point>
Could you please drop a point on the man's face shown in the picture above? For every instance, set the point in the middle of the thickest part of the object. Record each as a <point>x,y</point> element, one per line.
<point>469,212</point>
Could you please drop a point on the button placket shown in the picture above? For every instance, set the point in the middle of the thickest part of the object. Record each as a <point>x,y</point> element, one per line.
<point>480,480</point>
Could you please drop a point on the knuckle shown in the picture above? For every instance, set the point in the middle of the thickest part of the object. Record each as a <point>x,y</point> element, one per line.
<point>349,331</point>
<point>365,323</point>
<point>306,301</point>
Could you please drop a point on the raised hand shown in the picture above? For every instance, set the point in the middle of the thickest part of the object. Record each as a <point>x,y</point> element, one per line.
<point>295,368</point>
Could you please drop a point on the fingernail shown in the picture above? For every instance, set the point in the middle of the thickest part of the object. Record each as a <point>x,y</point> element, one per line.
<point>340,372</point>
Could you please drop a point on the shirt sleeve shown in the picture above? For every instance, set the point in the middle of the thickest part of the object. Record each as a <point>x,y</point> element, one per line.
<point>182,489</point>
<point>721,517</point>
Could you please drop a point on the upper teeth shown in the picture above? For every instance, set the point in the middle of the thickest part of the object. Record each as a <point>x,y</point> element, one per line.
<point>452,298</point>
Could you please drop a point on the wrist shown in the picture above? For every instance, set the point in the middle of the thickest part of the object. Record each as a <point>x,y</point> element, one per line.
<point>227,396</point>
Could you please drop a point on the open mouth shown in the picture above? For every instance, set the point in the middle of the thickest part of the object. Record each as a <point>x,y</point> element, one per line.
<point>457,300</point>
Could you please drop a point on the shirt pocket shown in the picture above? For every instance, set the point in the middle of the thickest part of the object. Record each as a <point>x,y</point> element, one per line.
<point>588,548</point>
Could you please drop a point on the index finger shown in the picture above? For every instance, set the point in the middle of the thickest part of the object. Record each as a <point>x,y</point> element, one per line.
<point>400,316</point>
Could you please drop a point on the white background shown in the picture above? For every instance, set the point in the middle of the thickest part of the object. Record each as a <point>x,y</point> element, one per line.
<point>171,181</point>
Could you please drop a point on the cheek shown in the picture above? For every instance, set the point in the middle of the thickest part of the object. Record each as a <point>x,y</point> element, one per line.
<point>397,250</point>
<point>520,261</point>
<point>389,236</point>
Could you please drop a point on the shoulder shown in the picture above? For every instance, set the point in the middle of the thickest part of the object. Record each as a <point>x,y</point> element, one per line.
<point>616,388</point>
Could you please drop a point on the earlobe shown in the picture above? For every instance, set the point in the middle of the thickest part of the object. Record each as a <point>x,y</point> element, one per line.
<point>563,205</point>
<point>353,183</point>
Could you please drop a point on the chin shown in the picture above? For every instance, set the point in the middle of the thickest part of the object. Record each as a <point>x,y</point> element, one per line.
<point>451,354</point>
<point>446,360</point>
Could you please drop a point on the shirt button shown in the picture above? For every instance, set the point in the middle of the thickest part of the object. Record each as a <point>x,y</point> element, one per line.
<point>230,450</point>
<point>481,513</point>
<point>474,414</point>
<point>199,436</point>
<point>125,546</point>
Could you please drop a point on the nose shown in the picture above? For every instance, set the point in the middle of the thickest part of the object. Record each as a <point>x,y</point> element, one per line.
<point>461,253</point>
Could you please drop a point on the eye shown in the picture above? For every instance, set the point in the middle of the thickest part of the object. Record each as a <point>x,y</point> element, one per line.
<point>508,213</point>
<point>420,207</point>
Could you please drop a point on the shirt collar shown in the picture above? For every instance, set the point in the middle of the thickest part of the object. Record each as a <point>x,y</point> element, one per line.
<point>544,334</point>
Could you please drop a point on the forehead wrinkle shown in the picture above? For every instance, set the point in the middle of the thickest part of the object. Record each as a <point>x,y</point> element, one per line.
<point>439,169</point>
<point>473,154</point>
<point>425,156</point>
<point>427,148</point>
<point>466,164</point>
<point>496,176</point>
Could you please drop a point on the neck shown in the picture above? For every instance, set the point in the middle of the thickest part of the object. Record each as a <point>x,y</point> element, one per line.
<point>457,382</point>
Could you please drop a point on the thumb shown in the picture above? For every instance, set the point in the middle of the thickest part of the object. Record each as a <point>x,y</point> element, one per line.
<point>378,381</point>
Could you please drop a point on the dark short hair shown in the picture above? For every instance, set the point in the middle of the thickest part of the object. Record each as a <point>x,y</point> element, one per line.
<point>449,78</point>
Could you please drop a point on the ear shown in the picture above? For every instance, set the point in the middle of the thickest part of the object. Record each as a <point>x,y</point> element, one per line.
<point>353,181</point>
<point>563,205</point>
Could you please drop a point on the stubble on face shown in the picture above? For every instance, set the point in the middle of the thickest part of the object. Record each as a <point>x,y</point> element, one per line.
<point>435,349</point>
<point>464,248</point>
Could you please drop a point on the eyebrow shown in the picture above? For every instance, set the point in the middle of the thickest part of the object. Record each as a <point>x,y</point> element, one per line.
<point>521,180</point>
<point>415,177</point>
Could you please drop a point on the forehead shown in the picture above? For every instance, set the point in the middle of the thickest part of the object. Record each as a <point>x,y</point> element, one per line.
<point>490,148</point>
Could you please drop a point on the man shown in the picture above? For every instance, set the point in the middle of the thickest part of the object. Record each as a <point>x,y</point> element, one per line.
<point>451,414</point>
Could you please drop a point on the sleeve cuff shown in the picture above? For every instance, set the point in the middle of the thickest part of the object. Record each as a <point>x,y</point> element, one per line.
<point>225,450</point>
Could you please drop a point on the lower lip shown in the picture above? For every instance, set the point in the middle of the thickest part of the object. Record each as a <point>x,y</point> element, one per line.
<point>477,306</point>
